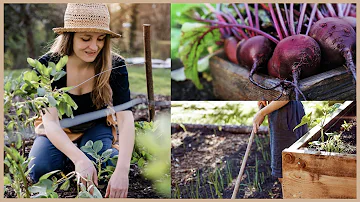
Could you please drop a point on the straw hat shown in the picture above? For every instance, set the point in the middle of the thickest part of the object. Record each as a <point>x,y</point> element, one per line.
<point>82,17</point>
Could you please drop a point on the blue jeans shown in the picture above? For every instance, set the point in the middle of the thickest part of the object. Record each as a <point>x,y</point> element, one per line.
<point>282,123</point>
<point>49,158</point>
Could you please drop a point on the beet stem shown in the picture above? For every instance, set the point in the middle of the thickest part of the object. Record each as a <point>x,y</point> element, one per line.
<point>340,10</point>
<point>347,10</point>
<point>287,15</point>
<point>281,19</point>
<point>319,14</point>
<point>312,15</point>
<point>276,25</point>
<point>238,13</point>
<point>244,35</point>
<point>303,9</point>
<point>292,26</point>
<point>257,24</point>
<point>249,17</point>
<point>222,24</point>
<point>331,10</point>
<point>350,62</point>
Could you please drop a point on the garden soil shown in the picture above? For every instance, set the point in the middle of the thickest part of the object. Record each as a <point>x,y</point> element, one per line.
<point>197,154</point>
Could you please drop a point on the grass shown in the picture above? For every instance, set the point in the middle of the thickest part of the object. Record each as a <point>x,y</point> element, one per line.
<point>137,79</point>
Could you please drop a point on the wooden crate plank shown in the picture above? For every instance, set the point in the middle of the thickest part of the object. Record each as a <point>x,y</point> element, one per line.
<point>318,176</point>
<point>231,82</point>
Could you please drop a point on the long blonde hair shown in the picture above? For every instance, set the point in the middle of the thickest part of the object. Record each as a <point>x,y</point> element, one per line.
<point>102,93</point>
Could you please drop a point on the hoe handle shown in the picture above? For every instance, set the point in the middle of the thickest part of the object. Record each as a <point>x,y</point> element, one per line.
<point>242,168</point>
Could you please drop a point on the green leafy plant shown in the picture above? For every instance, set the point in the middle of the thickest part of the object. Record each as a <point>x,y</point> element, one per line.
<point>333,142</point>
<point>25,98</point>
<point>93,148</point>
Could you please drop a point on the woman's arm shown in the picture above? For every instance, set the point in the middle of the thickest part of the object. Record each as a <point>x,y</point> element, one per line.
<point>260,115</point>
<point>61,141</point>
<point>119,182</point>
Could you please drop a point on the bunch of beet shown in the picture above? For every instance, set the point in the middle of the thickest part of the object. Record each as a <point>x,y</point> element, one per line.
<point>304,39</point>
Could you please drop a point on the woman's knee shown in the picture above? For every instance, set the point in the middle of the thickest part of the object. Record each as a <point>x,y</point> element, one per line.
<point>45,158</point>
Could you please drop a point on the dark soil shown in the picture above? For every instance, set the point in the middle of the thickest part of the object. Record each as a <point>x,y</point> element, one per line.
<point>199,158</point>
<point>186,90</point>
<point>139,187</point>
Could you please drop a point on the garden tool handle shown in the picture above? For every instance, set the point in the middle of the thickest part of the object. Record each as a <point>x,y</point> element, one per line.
<point>242,168</point>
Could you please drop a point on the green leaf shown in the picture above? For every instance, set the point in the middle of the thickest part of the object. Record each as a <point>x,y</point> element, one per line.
<point>52,101</point>
<point>58,75</point>
<point>66,185</point>
<point>65,89</point>
<point>87,149</point>
<point>98,145</point>
<point>304,120</point>
<point>30,76</point>
<point>62,62</point>
<point>41,187</point>
<point>31,62</point>
<point>106,155</point>
<point>18,140</point>
<point>84,194</point>
<point>194,39</point>
<point>41,92</point>
<point>141,162</point>
<point>70,101</point>
<point>47,175</point>
<point>7,180</point>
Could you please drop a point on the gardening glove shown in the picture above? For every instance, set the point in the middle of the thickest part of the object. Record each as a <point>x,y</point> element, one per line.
<point>118,185</point>
<point>88,174</point>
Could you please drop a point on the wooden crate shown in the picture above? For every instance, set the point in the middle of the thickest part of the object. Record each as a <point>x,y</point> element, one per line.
<point>314,174</point>
<point>231,82</point>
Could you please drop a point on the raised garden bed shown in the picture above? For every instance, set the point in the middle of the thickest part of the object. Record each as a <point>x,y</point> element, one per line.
<point>231,82</point>
<point>309,173</point>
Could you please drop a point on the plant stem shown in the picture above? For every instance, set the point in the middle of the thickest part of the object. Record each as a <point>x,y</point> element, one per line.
<point>257,24</point>
<point>249,17</point>
<point>292,26</point>
<point>238,13</point>
<point>281,19</point>
<point>221,25</point>
<point>303,9</point>
<point>276,25</point>
<point>22,174</point>
<point>312,15</point>
<point>331,10</point>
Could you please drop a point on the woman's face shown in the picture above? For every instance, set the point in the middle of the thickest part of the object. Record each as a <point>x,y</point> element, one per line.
<point>87,45</point>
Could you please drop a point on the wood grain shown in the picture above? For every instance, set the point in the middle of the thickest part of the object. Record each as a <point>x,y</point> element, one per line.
<point>231,82</point>
<point>317,174</point>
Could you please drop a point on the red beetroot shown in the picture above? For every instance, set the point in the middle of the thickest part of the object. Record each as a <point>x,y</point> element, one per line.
<point>295,57</point>
<point>254,53</point>
<point>337,40</point>
<point>295,52</point>
<point>230,45</point>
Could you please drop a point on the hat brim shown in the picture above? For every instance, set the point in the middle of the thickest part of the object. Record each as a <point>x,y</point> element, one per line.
<point>60,30</point>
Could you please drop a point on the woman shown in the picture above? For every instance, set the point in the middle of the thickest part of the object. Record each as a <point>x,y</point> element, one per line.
<point>283,117</point>
<point>85,38</point>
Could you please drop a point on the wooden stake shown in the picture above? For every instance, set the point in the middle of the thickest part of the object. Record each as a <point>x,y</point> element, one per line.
<point>148,68</point>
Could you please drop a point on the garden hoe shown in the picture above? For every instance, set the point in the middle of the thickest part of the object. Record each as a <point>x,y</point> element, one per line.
<point>242,168</point>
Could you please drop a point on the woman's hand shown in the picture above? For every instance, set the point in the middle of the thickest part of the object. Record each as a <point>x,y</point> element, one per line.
<point>88,174</point>
<point>118,185</point>
<point>258,120</point>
